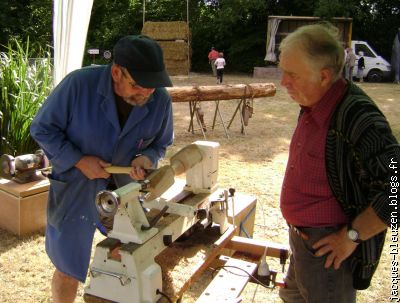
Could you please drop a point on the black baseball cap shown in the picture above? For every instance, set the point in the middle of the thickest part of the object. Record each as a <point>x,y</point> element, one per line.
<point>143,58</point>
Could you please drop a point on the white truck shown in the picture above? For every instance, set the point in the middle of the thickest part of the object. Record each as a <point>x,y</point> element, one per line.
<point>376,68</point>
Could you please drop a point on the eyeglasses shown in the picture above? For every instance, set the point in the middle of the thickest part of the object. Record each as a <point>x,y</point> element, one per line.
<point>131,82</point>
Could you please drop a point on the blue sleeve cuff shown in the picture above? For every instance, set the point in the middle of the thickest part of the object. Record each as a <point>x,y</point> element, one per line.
<point>66,159</point>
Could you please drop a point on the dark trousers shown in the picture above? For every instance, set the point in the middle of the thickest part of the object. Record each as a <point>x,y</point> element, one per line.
<point>307,280</point>
<point>220,74</point>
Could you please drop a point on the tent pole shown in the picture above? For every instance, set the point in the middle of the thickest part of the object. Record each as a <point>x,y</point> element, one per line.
<point>188,34</point>
<point>144,11</point>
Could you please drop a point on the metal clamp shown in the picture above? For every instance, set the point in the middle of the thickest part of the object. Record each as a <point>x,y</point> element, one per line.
<point>124,280</point>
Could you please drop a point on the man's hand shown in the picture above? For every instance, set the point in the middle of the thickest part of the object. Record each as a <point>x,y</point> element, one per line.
<point>338,245</point>
<point>139,165</point>
<point>93,167</point>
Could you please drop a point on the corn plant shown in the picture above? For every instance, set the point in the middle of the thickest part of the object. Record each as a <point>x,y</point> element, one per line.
<point>24,84</point>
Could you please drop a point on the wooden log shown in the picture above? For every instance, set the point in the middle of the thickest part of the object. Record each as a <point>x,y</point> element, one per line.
<point>221,92</point>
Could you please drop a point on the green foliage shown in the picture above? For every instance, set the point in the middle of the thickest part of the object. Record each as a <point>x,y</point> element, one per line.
<point>109,21</point>
<point>237,27</point>
<point>377,21</point>
<point>329,9</point>
<point>166,10</point>
<point>26,18</point>
<point>24,85</point>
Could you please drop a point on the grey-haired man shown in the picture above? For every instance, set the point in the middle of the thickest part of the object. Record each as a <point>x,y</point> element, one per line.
<point>342,167</point>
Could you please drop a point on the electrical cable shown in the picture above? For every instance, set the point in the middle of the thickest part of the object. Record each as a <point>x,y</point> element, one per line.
<point>254,294</point>
<point>265,250</point>
<point>159,292</point>
<point>224,267</point>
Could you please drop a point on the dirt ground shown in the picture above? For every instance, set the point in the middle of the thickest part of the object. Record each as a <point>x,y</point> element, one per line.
<point>253,164</point>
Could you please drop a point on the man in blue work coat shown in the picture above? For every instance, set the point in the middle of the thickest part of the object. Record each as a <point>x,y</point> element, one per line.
<point>119,114</point>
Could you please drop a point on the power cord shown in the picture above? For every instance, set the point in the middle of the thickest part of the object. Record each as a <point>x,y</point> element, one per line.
<point>263,268</point>
<point>224,267</point>
<point>159,292</point>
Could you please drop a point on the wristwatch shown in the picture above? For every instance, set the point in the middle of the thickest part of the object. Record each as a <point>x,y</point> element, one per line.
<point>353,234</point>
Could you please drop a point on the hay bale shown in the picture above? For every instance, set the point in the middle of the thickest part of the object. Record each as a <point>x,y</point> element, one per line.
<point>176,63</point>
<point>177,67</point>
<point>173,30</point>
<point>177,71</point>
<point>174,50</point>
<point>172,37</point>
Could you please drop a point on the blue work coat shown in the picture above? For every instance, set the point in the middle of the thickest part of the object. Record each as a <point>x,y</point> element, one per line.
<point>80,118</point>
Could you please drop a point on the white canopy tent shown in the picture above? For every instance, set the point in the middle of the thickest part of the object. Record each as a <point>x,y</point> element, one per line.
<point>273,25</point>
<point>70,25</point>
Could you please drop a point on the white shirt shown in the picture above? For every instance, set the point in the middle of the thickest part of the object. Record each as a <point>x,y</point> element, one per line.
<point>220,63</point>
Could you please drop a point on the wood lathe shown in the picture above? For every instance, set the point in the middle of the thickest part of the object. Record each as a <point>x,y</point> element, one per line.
<point>123,268</point>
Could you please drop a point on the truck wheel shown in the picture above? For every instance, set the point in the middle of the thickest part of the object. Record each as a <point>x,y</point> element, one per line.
<point>375,76</point>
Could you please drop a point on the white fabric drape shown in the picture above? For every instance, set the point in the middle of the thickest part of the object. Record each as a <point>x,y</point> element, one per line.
<point>273,25</point>
<point>70,25</point>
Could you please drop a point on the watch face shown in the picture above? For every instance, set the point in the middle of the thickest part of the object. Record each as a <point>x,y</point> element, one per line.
<point>352,234</point>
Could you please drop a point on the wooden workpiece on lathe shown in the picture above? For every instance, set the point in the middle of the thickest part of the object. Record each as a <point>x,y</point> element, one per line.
<point>118,169</point>
<point>163,178</point>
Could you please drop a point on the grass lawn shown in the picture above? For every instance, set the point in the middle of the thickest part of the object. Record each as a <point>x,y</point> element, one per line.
<point>253,163</point>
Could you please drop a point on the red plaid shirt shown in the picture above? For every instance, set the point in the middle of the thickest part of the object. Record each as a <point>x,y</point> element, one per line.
<point>306,198</point>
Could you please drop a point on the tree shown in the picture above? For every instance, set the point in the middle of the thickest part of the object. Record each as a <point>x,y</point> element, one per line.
<point>368,16</point>
<point>111,20</point>
<point>237,27</point>
<point>383,15</point>
<point>26,18</point>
